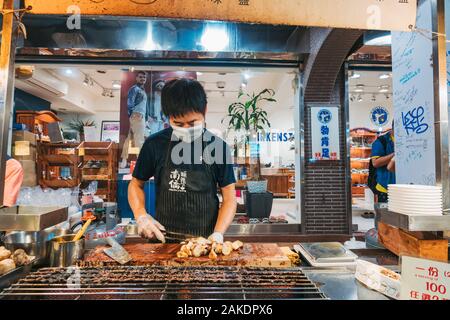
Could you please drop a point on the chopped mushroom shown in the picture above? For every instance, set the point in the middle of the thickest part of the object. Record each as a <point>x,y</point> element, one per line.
<point>4,253</point>
<point>237,244</point>
<point>20,257</point>
<point>181,254</point>
<point>227,248</point>
<point>6,266</point>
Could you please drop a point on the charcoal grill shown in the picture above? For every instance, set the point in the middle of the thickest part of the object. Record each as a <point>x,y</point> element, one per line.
<point>161,282</point>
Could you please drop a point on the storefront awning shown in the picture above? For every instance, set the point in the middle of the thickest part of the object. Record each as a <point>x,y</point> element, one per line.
<point>355,14</point>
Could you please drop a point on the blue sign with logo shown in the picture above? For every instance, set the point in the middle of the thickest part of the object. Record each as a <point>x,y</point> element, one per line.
<point>324,116</point>
<point>379,116</point>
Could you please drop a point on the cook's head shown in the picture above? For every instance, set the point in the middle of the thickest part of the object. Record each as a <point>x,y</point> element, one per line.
<point>184,102</point>
<point>141,78</point>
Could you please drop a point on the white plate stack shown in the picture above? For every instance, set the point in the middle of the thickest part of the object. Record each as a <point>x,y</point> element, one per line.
<point>415,199</point>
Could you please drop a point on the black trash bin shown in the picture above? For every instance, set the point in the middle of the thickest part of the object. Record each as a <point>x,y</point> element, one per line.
<point>258,205</point>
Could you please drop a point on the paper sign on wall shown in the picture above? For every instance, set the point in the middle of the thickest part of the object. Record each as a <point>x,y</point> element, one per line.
<point>424,279</point>
<point>325,132</point>
<point>414,102</point>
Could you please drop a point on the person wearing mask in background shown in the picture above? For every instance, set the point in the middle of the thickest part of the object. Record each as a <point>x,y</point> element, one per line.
<point>137,111</point>
<point>383,160</point>
<point>13,181</point>
<point>186,191</point>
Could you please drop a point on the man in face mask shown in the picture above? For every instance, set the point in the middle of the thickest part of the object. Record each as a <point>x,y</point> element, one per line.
<point>187,171</point>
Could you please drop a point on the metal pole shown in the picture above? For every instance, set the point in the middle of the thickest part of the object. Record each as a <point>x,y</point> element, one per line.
<point>7,57</point>
<point>441,101</point>
<point>348,175</point>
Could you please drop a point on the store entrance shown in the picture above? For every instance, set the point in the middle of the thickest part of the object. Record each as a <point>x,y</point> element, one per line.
<point>370,116</point>
<point>90,104</point>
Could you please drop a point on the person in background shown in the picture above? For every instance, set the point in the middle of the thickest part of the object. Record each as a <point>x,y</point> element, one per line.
<point>13,181</point>
<point>186,191</point>
<point>137,111</point>
<point>383,160</point>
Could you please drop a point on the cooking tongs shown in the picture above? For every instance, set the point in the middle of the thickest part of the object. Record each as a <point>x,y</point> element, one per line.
<point>176,235</point>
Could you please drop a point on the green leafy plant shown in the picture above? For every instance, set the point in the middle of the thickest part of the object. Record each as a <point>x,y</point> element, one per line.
<point>251,118</point>
<point>78,125</point>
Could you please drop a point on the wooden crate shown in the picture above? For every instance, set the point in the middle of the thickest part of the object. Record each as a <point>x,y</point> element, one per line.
<point>418,244</point>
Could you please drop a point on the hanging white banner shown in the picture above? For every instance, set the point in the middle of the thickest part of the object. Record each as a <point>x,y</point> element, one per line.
<point>325,132</point>
<point>355,14</point>
<point>414,103</point>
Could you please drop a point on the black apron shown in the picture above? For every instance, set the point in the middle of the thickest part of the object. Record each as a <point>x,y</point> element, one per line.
<point>187,199</point>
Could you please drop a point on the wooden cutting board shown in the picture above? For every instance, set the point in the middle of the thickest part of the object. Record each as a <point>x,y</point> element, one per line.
<point>251,255</point>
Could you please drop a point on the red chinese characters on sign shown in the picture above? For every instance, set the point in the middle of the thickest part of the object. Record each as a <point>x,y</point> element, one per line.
<point>424,279</point>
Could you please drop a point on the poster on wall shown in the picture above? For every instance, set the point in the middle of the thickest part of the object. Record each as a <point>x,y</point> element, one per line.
<point>140,109</point>
<point>414,103</point>
<point>325,132</point>
<point>110,131</point>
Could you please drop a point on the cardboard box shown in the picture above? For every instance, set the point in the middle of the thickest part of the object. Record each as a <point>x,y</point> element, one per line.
<point>24,150</point>
<point>23,135</point>
<point>29,173</point>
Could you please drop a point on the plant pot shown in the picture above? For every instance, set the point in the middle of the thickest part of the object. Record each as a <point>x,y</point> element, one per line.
<point>257,186</point>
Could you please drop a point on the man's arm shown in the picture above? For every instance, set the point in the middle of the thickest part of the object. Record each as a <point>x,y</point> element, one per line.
<point>131,99</point>
<point>382,161</point>
<point>136,197</point>
<point>228,209</point>
<point>391,165</point>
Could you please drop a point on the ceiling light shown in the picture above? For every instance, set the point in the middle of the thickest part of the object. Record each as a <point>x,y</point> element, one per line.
<point>384,88</point>
<point>68,72</point>
<point>246,74</point>
<point>199,73</point>
<point>355,76</point>
<point>215,38</point>
<point>86,80</point>
<point>359,90</point>
<point>116,84</point>
<point>384,76</point>
<point>360,99</point>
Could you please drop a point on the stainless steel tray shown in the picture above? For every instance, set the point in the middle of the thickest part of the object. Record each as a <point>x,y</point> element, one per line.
<point>29,218</point>
<point>326,252</point>
<point>15,275</point>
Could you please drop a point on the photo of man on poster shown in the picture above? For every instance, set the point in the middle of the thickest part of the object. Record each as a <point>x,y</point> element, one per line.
<point>137,112</point>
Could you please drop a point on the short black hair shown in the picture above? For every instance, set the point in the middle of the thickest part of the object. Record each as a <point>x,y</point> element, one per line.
<point>182,96</point>
<point>141,72</point>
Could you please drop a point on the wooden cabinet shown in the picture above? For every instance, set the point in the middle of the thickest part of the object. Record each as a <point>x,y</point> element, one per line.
<point>58,165</point>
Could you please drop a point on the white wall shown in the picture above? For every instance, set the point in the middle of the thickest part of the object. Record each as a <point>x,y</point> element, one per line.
<point>280,115</point>
<point>360,113</point>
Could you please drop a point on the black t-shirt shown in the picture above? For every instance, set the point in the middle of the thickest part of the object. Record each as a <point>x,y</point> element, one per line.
<point>152,157</point>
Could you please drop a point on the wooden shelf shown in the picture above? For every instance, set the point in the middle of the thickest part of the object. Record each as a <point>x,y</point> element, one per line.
<point>56,183</point>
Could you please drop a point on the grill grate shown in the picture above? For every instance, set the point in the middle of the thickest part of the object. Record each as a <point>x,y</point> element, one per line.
<point>159,282</point>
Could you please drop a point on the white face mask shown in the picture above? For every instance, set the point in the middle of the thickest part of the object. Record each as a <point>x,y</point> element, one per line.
<point>188,135</point>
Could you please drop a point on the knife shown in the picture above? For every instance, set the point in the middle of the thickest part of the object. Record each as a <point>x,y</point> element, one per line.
<point>117,252</point>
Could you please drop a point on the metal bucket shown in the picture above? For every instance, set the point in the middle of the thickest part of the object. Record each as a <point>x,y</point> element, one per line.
<point>33,243</point>
<point>64,252</point>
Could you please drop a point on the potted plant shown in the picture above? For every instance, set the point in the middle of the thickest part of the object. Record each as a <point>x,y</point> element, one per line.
<point>250,118</point>
<point>78,126</point>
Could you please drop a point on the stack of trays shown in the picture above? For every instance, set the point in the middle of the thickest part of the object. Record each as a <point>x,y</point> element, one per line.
<point>326,254</point>
<point>415,199</point>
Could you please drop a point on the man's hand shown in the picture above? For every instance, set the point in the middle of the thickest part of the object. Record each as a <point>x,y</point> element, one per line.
<point>216,237</point>
<point>150,228</point>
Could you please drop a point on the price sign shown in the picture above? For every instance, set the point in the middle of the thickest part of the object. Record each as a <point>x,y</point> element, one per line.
<point>424,279</point>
